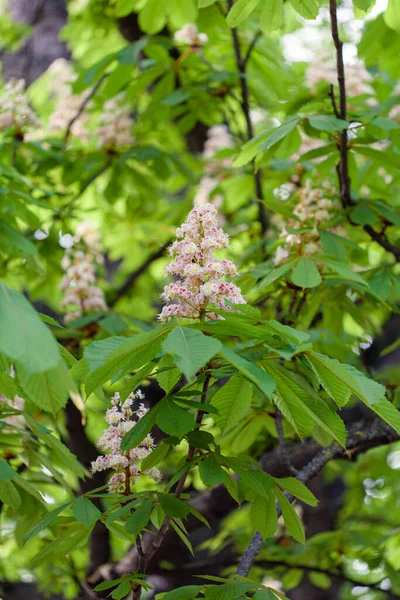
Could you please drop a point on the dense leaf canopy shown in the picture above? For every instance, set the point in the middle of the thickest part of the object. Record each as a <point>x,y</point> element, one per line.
<point>248,383</point>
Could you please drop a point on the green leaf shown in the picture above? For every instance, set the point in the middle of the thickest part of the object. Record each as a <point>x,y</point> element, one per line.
<point>181,12</point>
<point>275,274</point>
<point>327,123</point>
<point>119,356</point>
<point>7,473</point>
<point>233,402</point>
<point>21,332</point>
<point>168,378</point>
<point>291,518</point>
<point>306,274</point>
<point>49,390</point>
<point>153,17</point>
<point>320,580</point>
<point>183,537</point>
<point>306,8</point>
<point>9,495</point>
<point>140,430</point>
<point>124,7</point>
<point>17,242</point>
<point>211,472</point>
<point>106,585</point>
<point>177,97</point>
<point>240,11</point>
<point>46,521</point>
<point>228,591</point>
<point>391,15</point>
<point>122,590</point>
<point>188,592</point>
<point>386,411</point>
<point>280,132</point>
<point>49,320</point>
<point>258,481</point>
<point>297,489</point>
<point>363,215</point>
<point>155,457</point>
<point>174,507</point>
<point>86,512</point>
<point>191,349</point>
<point>332,373</point>
<point>271,17</point>
<point>139,519</point>
<point>174,420</point>
<point>251,371</point>
<point>263,515</point>
<point>342,270</point>
<point>302,407</point>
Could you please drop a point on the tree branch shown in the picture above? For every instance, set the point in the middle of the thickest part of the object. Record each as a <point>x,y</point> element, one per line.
<point>131,279</point>
<point>241,64</point>
<point>216,504</point>
<point>83,106</point>
<point>361,437</point>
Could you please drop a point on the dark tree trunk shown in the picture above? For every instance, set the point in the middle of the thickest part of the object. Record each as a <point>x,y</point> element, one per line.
<point>47,17</point>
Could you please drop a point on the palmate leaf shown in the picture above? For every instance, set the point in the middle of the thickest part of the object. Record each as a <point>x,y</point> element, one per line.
<point>302,407</point>
<point>190,349</point>
<point>233,402</point>
<point>125,356</point>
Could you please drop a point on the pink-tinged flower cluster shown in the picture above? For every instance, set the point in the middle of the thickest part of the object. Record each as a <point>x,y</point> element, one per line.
<point>189,35</point>
<point>115,124</point>
<point>218,138</point>
<point>126,464</point>
<point>14,107</point>
<point>82,294</point>
<point>200,276</point>
<point>315,207</point>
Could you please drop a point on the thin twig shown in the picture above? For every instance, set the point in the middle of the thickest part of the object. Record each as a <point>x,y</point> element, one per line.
<point>131,279</point>
<point>83,106</point>
<point>343,165</point>
<point>145,557</point>
<point>251,47</point>
<point>93,178</point>
<point>245,105</point>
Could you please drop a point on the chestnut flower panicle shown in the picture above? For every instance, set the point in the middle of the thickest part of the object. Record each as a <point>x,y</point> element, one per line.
<point>115,124</point>
<point>200,277</point>
<point>82,294</point>
<point>316,206</point>
<point>125,464</point>
<point>14,107</point>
